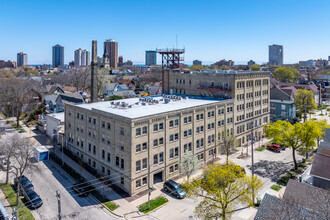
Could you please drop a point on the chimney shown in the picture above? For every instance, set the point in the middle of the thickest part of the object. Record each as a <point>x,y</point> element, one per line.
<point>94,74</point>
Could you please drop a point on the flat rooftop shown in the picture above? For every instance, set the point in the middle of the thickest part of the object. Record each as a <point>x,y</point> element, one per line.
<point>151,105</point>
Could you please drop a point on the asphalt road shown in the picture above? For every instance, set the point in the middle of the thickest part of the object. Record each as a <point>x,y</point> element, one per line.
<point>50,178</point>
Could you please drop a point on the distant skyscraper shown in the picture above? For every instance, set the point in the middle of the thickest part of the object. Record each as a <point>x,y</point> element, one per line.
<point>111,49</point>
<point>58,55</point>
<point>151,57</point>
<point>197,62</point>
<point>81,57</point>
<point>120,61</point>
<point>22,59</point>
<point>276,54</point>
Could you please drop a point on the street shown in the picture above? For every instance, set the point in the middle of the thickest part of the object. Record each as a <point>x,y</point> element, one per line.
<point>50,178</point>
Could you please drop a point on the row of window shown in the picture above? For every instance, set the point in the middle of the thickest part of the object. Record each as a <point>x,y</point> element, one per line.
<point>187,133</point>
<point>138,182</point>
<point>158,142</point>
<point>182,81</point>
<point>143,129</point>
<point>174,152</point>
<point>141,147</point>
<point>138,164</point>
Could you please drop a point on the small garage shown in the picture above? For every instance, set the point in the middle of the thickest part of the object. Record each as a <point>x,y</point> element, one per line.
<point>41,153</point>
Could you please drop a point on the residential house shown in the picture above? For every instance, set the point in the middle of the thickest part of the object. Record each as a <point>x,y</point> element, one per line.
<point>71,98</point>
<point>129,83</point>
<point>282,104</point>
<point>320,168</point>
<point>53,90</point>
<point>69,89</point>
<point>55,126</point>
<point>300,201</point>
<point>155,88</point>
<point>311,87</point>
<point>50,102</point>
<point>110,89</point>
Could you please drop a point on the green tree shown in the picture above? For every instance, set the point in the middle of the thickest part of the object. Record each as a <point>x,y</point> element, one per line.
<point>255,67</point>
<point>304,102</point>
<point>310,131</point>
<point>286,74</point>
<point>284,132</point>
<point>221,189</point>
<point>189,164</point>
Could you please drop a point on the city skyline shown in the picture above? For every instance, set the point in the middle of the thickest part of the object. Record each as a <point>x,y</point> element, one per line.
<point>241,31</point>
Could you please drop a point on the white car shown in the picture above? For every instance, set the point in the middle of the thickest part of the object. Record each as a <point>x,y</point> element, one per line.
<point>3,162</point>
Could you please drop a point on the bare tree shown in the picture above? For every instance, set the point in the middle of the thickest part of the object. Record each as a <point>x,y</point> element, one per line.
<point>229,143</point>
<point>22,159</point>
<point>189,164</point>
<point>8,147</point>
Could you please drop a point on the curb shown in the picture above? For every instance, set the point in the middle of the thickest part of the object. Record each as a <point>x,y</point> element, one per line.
<point>120,216</point>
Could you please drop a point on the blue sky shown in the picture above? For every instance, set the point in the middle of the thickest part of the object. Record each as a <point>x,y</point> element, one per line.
<point>209,30</point>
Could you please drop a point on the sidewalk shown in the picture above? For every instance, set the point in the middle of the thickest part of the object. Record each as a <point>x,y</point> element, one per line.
<point>5,203</point>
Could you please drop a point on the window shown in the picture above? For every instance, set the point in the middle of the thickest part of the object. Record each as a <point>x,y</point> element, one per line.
<point>161,157</point>
<point>108,159</point>
<point>138,131</point>
<point>144,130</point>
<point>122,131</point>
<point>171,124</point>
<point>108,126</point>
<point>94,121</point>
<point>103,169</point>
<point>155,142</point>
<point>176,152</point>
<point>197,130</point>
<point>82,117</point>
<point>283,107</point>
<point>161,126</point>
<point>176,136</point>
<point>185,120</point>
<point>161,141</point>
<point>77,115</point>
<point>171,169</point>
<point>117,161</point>
<point>122,148</point>
<point>189,119</point>
<point>144,181</point>
<point>89,119</point>
<point>138,165</point>
<point>185,134</point>
<point>202,142</point>
<point>144,146</point>
<point>202,128</point>
<point>155,159</point>
<point>103,154</point>
<point>171,153</point>
<point>189,132</point>
<point>197,117</point>
<point>94,149</point>
<point>197,144</point>
<point>144,163</point>
<point>89,147</point>
<point>103,124</point>
<point>155,127</point>
<point>176,167</point>
<point>138,184</point>
<point>108,172</point>
<point>202,116</point>
<point>176,122</point>
<point>171,137</point>
<point>122,163</point>
<point>122,180</point>
<point>138,148</point>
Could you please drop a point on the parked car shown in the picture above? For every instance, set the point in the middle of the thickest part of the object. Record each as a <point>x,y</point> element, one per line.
<point>80,189</point>
<point>174,188</point>
<point>4,162</point>
<point>282,146</point>
<point>32,200</point>
<point>274,147</point>
<point>25,184</point>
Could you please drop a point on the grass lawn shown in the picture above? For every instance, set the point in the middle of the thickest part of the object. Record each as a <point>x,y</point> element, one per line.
<point>2,115</point>
<point>153,204</point>
<point>112,206</point>
<point>321,114</point>
<point>14,124</point>
<point>323,107</point>
<point>23,212</point>
<point>285,179</point>
<point>261,148</point>
<point>276,187</point>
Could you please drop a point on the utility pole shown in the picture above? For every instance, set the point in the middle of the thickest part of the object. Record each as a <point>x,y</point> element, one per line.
<point>252,139</point>
<point>149,191</point>
<point>14,213</point>
<point>59,214</point>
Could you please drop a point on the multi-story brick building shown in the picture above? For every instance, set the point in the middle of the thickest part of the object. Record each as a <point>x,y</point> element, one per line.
<point>122,139</point>
<point>249,89</point>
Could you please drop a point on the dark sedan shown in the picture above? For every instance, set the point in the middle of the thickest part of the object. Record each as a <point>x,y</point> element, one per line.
<point>32,200</point>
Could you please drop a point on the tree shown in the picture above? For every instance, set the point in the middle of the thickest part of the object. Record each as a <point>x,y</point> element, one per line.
<point>229,143</point>
<point>309,133</point>
<point>284,132</point>
<point>21,159</point>
<point>221,189</point>
<point>304,102</point>
<point>8,147</point>
<point>286,74</point>
<point>255,67</point>
<point>323,125</point>
<point>189,164</point>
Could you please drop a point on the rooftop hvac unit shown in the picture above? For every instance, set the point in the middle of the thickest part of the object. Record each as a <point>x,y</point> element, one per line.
<point>144,104</point>
<point>167,101</point>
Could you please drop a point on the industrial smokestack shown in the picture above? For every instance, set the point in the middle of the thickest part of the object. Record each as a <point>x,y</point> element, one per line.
<point>94,74</point>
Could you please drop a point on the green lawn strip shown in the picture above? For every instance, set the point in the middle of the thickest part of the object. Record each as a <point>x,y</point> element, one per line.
<point>321,114</point>
<point>323,107</point>
<point>23,212</point>
<point>276,187</point>
<point>2,115</point>
<point>153,204</point>
<point>111,205</point>
<point>14,124</point>
<point>261,148</point>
